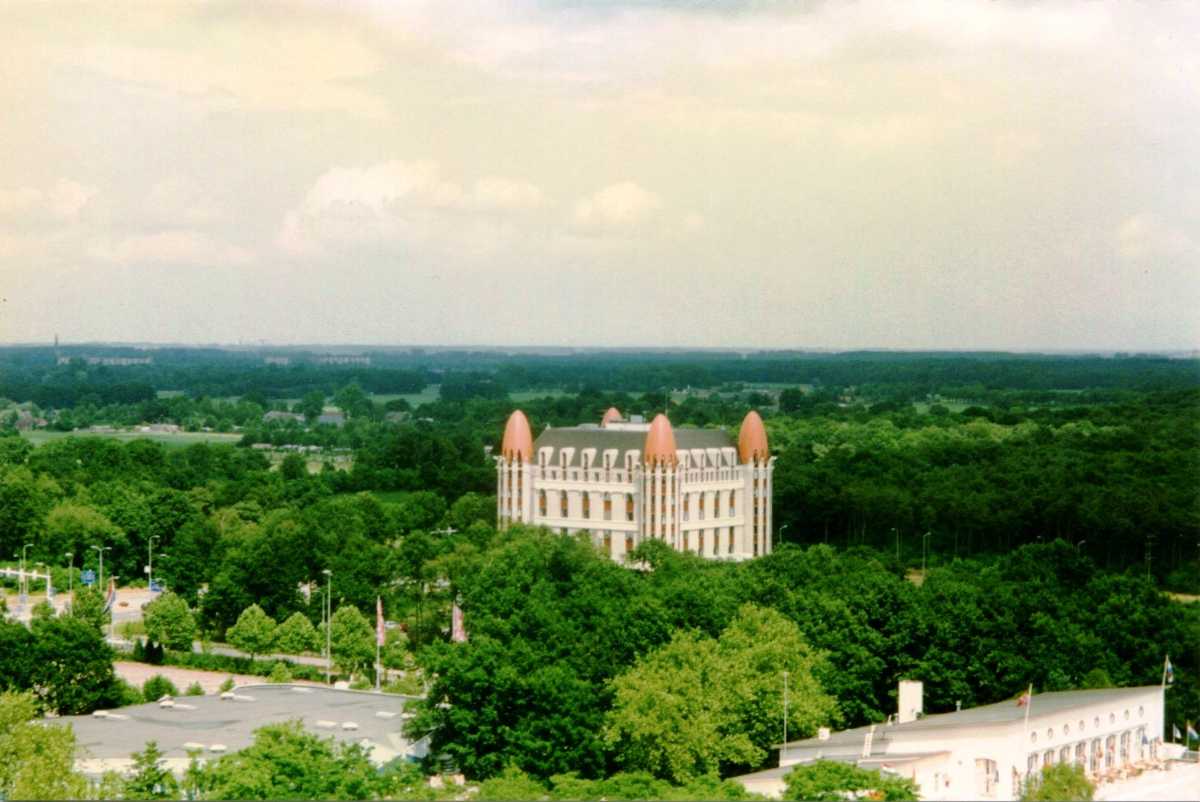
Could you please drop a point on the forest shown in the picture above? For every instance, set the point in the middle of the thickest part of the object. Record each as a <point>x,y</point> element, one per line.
<point>980,523</point>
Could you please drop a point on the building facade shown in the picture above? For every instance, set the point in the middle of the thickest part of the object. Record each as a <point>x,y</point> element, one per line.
<point>992,751</point>
<point>627,481</point>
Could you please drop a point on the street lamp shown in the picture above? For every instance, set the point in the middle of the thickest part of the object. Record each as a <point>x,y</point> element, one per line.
<point>328,625</point>
<point>101,550</point>
<point>43,565</point>
<point>1079,544</point>
<point>924,540</point>
<point>781,530</point>
<point>24,589</point>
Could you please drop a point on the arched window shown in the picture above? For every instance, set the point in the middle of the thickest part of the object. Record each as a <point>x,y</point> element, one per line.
<point>542,503</point>
<point>587,505</point>
<point>562,503</point>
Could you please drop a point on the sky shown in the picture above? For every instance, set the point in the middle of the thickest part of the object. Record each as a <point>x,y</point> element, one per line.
<point>966,174</point>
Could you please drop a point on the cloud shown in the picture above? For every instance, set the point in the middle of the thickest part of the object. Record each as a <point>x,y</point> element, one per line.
<point>61,203</point>
<point>1144,236</point>
<point>397,202</point>
<point>177,247</point>
<point>616,207</point>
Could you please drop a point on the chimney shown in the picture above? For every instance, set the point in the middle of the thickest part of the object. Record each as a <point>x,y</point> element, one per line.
<point>911,701</point>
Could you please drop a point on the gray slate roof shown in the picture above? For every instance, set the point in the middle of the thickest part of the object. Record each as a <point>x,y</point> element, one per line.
<point>1006,712</point>
<point>580,438</point>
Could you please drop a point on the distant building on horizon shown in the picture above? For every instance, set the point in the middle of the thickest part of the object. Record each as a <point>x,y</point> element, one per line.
<point>625,482</point>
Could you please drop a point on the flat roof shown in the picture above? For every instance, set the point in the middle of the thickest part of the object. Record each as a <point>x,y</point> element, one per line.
<point>1006,712</point>
<point>581,437</point>
<point>199,722</point>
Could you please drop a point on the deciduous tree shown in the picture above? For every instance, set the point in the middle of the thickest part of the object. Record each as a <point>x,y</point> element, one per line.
<point>254,632</point>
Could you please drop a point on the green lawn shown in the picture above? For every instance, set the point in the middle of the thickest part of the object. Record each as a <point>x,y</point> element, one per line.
<point>169,439</point>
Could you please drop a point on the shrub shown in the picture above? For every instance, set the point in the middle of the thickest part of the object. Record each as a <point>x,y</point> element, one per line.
<point>227,685</point>
<point>157,687</point>
<point>195,689</point>
<point>124,694</point>
<point>280,673</point>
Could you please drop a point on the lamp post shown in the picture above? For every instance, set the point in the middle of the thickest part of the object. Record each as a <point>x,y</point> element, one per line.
<point>781,530</point>
<point>70,578</point>
<point>24,583</point>
<point>1079,545</point>
<point>328,625</point>
<point>924,540</point>
<point>43,565</point>
<point>101,550</point>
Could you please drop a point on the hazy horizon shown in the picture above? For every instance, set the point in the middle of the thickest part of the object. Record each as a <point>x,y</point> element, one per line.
<point>925,176</point>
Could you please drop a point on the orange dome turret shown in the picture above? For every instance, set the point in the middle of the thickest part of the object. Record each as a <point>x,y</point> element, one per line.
<point>752,439</point>
<point>613,415</point>
<point>660,442</point>
<point>518,440</point>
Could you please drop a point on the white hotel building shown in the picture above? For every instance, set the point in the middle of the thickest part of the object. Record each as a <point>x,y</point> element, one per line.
<point>991,751</point>
<point>628,481</point>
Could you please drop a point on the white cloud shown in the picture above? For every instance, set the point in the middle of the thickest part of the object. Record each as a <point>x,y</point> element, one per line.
<point>61,203</point>
<point>503,193</point>
<point>616,207</point>
<point>1144,236</point>
<point>398,202</point>
<point>178,247</point>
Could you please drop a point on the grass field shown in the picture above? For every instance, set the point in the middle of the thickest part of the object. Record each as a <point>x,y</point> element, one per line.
<point>169,439</point>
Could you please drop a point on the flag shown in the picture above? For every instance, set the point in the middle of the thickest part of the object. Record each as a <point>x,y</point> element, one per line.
<point>1191,733</point>
<point>1168,672</point>
<point>380,630</point>
<point>1023,699</point>
<point>458,631</point>
<point>112,595</point>
<point>1175,733</point>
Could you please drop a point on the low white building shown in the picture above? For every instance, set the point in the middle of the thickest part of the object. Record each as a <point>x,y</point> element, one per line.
<point>988,752</point>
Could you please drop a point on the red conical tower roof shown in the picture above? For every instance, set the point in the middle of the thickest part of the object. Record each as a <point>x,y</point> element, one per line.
<point>752,439</point>
<point>518,440</point>
<point>613,415</point>
<point>660,442</point>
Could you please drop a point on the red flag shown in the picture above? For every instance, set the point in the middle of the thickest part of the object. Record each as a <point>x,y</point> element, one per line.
<point>458,630</point>
<point>380,630</point>
<point>1023,700</point>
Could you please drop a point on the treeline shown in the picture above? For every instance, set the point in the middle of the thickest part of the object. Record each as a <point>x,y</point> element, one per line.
<point>32,374</point>
<point>66,386</point>
<point>1121,480</point>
